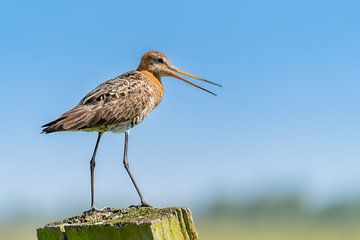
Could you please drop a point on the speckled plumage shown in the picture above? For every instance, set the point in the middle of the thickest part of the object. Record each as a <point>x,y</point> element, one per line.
<point>115,105</point>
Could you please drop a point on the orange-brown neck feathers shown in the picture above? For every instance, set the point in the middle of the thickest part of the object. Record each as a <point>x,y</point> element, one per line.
<point>144,63</point>
<point>156,81</point>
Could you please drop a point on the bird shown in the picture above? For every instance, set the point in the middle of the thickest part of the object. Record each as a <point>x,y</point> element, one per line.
<point>120,104</point>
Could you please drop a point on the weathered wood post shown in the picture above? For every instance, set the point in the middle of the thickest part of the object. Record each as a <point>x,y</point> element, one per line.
<point>127,224</point>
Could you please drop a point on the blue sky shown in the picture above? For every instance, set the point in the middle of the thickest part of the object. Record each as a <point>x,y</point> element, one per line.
<point>287,117</point>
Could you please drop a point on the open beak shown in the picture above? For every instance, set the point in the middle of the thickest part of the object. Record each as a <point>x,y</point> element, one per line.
<point>172,74</point>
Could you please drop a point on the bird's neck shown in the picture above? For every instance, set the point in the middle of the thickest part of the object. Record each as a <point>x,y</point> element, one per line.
<point>150,75</point>
<point>155,80</point>
<point>145,68</point>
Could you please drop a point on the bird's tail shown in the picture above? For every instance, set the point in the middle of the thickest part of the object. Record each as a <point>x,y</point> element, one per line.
<point>53,126</point>
<point>76,119</point>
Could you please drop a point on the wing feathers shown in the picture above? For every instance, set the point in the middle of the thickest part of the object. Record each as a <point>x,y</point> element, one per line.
<point>112,103</point>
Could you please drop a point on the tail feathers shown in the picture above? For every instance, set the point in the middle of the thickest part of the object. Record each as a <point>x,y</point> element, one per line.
<point>75,119</point>
<point>53,126</point>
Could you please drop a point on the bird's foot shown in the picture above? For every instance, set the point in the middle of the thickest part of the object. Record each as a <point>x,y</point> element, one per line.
<point>142,204</point>
<point>93,209</point>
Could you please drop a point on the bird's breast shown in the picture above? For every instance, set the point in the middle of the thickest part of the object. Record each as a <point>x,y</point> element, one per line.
<point>141,96</point>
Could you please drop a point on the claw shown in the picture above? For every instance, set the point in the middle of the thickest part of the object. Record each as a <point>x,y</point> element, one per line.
<point>93,209</point>
<point>143,204</point>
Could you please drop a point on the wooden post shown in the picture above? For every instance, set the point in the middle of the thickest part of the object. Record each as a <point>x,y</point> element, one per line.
<point>128,223</point>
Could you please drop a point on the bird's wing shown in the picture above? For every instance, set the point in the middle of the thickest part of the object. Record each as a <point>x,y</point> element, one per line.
<point>104,92</point>
<point>112,102</point>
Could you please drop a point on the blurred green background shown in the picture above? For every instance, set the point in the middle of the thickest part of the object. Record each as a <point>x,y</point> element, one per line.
<point>265,217</point>
<point>274,156</point>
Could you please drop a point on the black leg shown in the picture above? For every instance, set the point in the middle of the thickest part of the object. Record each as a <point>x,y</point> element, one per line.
<point>126,165</point>
<point>92,167</point>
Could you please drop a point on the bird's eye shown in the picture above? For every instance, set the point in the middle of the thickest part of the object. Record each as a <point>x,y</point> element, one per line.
<point>160,60</point>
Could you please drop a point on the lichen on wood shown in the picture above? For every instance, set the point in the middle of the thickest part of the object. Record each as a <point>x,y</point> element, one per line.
<point>128,223</point>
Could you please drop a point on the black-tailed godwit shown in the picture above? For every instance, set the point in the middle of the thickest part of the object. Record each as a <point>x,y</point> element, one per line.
<point>120,104</point>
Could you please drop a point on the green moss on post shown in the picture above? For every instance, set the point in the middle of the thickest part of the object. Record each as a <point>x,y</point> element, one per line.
<point>129,223</point>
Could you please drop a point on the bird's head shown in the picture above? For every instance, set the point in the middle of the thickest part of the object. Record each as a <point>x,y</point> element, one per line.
<point>158,64</point>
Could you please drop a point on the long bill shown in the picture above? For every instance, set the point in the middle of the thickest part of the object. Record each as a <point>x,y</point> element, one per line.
<point>192,76</point>
<point>172,74</point>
